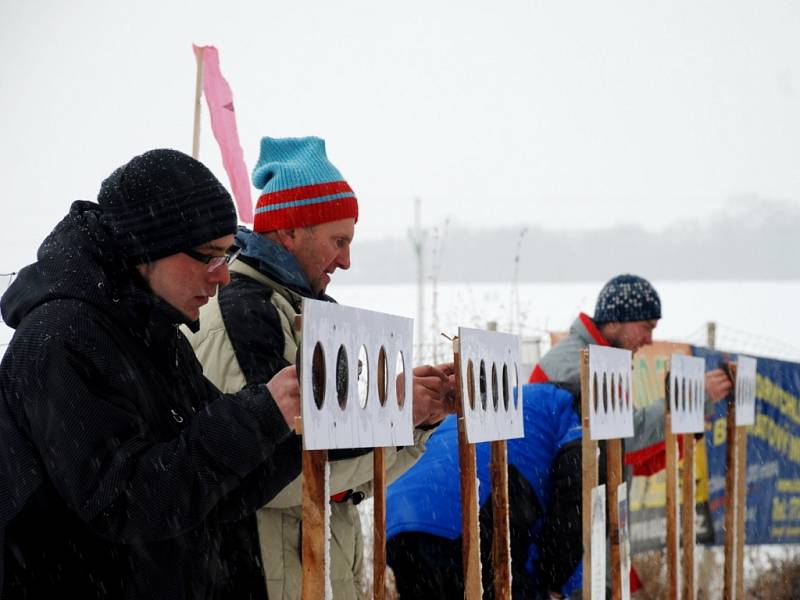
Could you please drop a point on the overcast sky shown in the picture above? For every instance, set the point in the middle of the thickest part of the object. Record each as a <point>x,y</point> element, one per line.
<point>563,114</point>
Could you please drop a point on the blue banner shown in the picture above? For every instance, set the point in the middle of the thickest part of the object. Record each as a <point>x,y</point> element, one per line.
<point>773,454</point>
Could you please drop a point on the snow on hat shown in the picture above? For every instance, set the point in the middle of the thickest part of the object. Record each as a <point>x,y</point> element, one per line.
<point>163,202</point>
<point>299,186</point>
<point>627,298</point>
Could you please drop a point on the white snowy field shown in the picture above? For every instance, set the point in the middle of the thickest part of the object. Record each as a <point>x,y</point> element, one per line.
<point>751,316</point>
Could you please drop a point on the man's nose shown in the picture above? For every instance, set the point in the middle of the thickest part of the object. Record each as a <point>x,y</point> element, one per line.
<point>220,276</point>
<point>344,258</point>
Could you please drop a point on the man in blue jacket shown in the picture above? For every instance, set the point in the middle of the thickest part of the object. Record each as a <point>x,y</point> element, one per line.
<point>423,523</point>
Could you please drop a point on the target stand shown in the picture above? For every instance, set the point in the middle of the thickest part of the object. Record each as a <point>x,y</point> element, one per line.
<point>356,392</point>
<point>489,409</point>
<point>741,413</point>
<point>683,416</point>
<point>606,414</point>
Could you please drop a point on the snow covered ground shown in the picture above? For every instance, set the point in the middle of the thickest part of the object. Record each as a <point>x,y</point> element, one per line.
<point>752,316</point>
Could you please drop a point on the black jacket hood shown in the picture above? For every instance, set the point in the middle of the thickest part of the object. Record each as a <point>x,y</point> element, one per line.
<point>80,260</point>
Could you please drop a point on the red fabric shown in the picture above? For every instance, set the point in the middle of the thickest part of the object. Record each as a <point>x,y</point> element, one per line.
<point>652,459</point>
<point>593,330</point>
<point>341,496</point>
<point>635,582</point>
<point>305,215</point>
<point>538,376</point>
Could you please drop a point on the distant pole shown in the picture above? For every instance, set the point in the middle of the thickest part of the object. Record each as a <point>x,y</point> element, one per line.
<point>418,243</point>
<point>515,284</point>
<point>711,335</point>
<point>198,94</point>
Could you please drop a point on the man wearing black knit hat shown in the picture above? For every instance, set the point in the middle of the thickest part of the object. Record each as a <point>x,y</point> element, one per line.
<point>627,311</point>
<point>119,460</point>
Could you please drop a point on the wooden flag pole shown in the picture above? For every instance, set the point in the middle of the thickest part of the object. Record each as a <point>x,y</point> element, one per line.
<point>687,516</point>
<point>198,94</point>
<point>588,476</point>
<point>379,545</point>
<point>471,549</point>
<point>501,550</point>
<point>314,538</point>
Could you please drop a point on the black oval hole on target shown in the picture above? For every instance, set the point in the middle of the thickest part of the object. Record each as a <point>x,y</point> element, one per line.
<point>495,388</point>
<point>605,393</point>
<point>383,376</point>
<point>482,384</point>
<point>505,387</point>
<point>596,394</point>
<point>342,377</point>
<point>471,384</point>
<point>318,375</point>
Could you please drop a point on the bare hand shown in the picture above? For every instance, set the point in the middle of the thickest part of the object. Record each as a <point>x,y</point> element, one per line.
<point>431,388</point>
<point>718,384</point>
<point>285,389</point>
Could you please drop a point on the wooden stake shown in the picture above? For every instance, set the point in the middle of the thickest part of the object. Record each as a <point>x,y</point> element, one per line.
<point>379,544</point>
<point>687,516</point>
<point>588,476</point>
<point>314,526</point>
<point>730,502</point>
<point>614,479</point>
<point>198,94</point>
<point>672,505</point>
<point>501,553</point>
<point>741,507</point>
<point>470,532</point>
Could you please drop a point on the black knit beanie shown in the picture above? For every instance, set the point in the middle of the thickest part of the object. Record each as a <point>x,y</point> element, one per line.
<point>627,298</point>
<point>163,202</point>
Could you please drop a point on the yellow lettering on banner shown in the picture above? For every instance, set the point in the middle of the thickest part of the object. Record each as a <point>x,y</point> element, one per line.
<point>720,431</point>
<point>777,437</point>
<point>778,509</point>
<point>788,486</point>
<point>774,395</point>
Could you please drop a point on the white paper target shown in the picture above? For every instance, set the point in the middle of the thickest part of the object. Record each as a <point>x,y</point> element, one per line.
<point>686,393</point>
<point>610,393</point>
<point>745,390</point>
<point>355,377</point>
<point>490,386</point>
<point>598,543</point>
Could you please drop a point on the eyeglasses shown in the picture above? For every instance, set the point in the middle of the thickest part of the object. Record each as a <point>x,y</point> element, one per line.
<point>214,262</point>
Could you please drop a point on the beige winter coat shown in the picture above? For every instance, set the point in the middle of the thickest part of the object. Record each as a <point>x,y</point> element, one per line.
<point>279,522</point>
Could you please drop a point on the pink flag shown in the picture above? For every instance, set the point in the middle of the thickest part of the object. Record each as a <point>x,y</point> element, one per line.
<point>223,124</point>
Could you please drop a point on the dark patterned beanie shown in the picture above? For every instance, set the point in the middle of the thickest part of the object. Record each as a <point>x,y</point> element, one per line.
<point>163,202</point>
<point>627,298</point>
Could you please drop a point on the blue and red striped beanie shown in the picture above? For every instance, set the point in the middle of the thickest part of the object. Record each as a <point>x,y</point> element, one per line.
<point>299,186</point>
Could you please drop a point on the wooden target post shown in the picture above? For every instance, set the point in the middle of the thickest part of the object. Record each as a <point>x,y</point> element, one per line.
<point>606,414</point>
<point>489,409</point>
<point>741,413</point>
<point>355,394</point>
<point>684,416</point>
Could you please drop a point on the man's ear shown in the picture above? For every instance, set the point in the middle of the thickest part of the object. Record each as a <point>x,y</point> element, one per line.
<point>287,238</point>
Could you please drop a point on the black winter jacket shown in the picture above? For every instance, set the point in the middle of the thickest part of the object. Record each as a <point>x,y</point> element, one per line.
<point>119,461</point>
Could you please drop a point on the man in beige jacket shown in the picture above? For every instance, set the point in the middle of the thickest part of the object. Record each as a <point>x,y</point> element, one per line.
<point>304,224</point>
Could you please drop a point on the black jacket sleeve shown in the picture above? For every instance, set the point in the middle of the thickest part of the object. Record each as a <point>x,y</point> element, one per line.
<point>126,479</point>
